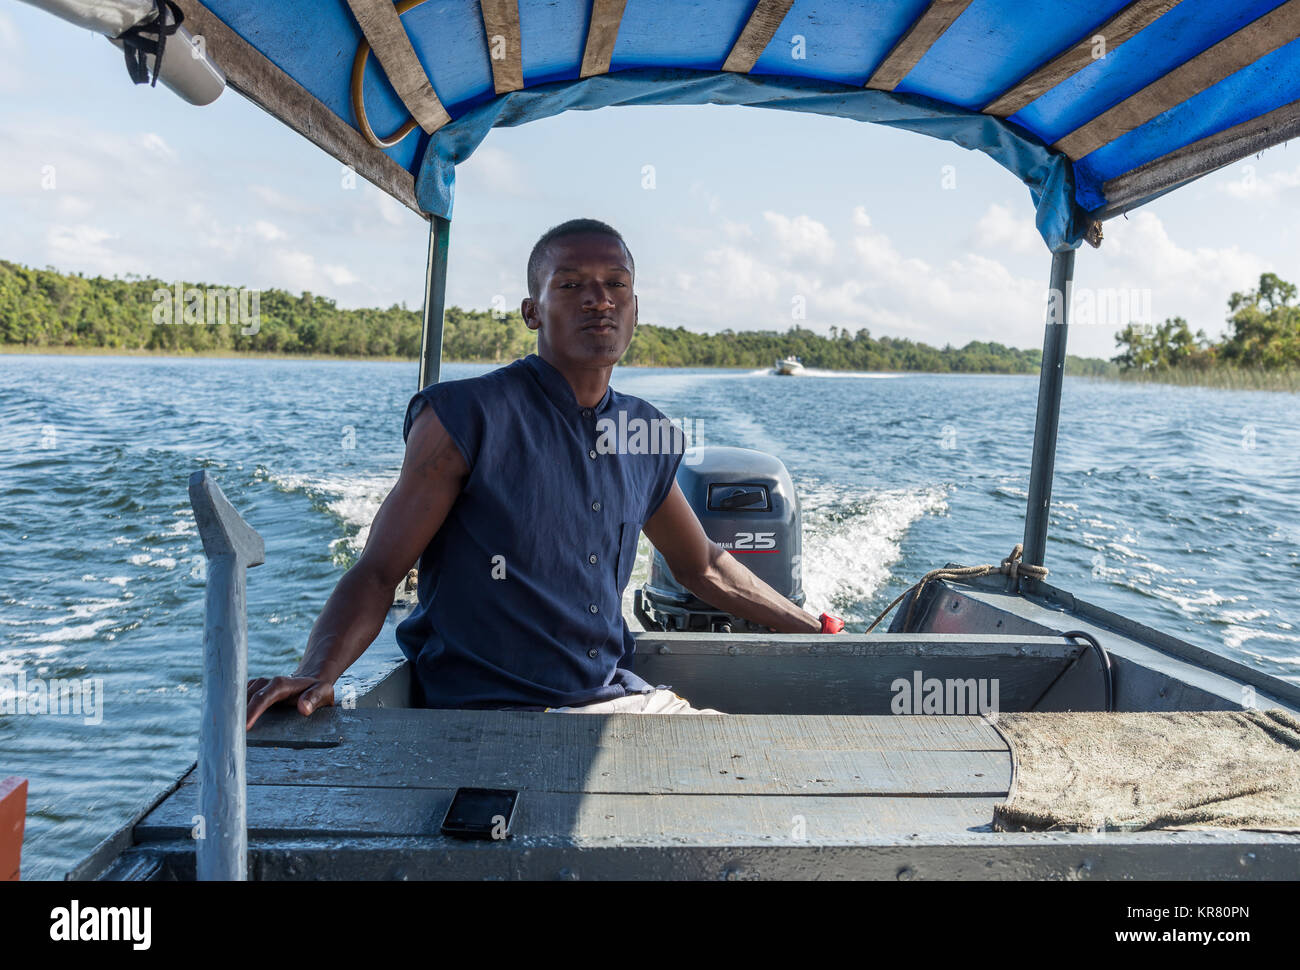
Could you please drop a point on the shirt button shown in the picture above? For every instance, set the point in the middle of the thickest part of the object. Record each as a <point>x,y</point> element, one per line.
<point>594,608</point>
<point>586,412</point>
<point>591,454</point>
<point>592,559</point>
<point>595,506</point>
<point>593,653</point>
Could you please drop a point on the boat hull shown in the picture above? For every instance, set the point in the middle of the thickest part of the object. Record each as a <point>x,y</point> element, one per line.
<point>814,775</point>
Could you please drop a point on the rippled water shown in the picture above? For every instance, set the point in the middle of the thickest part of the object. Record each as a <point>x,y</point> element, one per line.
<point>1175,506</point>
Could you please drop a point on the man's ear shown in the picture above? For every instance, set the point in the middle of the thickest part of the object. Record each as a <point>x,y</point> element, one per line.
<point>529,310</point>
<point>636,310</point>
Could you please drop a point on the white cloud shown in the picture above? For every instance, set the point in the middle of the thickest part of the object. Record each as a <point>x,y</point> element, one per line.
<point>268,231</point>
<point>801,236</point>
<point>295,270</point>
<point>751,282</point>
<point>736,230</point>
<point>120,201</point>
<point>83,246</point>
<point>155,143</point>
<point>495,171</point>
<point>1193,283</point>
<point>712,202</point>
<point>340,275</point>
<point>877,254</point>
<point>278,200</point>
<point>392,211</point>
<point>1000,227</point>
<point>48,158</point>
<point>737,276</point>
<point>969,297</point>
<point>73,206</point>
<point>1251,187</point>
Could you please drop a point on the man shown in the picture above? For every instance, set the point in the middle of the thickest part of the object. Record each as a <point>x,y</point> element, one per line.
<point>526,530</point>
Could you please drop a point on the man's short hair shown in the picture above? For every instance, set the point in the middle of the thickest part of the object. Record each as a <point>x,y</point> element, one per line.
<point>574,227</point>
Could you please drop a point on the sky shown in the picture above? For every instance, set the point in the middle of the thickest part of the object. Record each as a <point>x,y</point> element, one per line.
<point>737,217</point>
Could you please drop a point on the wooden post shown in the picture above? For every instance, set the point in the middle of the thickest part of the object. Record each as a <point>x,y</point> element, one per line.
<point>231,546</point>
<point>1050,379</point>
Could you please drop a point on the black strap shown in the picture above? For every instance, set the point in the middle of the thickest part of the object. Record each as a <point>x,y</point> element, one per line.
<point>138,45</point>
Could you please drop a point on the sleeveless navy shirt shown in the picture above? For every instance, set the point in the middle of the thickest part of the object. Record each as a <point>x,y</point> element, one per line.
<point>520,591</point>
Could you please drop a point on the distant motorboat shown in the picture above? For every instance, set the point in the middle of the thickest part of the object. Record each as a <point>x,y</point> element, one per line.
<point>789,367</point>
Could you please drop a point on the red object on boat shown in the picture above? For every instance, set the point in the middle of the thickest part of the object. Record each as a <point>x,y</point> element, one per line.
<point>831,624</point>
<point>13,814</point>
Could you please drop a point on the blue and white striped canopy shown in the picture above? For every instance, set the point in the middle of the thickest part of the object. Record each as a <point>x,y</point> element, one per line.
<point>1096,105</point>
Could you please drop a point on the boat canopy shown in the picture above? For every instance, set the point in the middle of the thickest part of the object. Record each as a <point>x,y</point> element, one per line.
<point>1096,105</point>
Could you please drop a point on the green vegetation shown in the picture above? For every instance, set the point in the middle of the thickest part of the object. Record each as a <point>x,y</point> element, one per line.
<point>1262,351</point>
<point>842,350</point>
<point>48,310</point>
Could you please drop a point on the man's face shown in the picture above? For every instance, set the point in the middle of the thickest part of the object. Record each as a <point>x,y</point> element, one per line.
<point>585,309</point>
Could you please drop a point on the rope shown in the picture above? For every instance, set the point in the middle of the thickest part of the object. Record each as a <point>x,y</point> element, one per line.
<point>1011,566</point>
<point>357,90</point>
<point>137,46</point>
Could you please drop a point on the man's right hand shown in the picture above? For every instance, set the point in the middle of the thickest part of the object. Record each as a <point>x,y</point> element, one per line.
<point>312,692</point>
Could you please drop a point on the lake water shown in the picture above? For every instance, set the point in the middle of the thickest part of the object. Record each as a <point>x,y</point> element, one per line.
<point>1175,506</point>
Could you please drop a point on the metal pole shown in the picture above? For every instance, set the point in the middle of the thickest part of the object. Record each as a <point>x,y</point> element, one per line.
<point>435,299</point>
<point>1050,379</point>
<point>231,546</point>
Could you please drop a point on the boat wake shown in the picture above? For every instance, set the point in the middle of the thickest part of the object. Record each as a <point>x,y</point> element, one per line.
<point>851,539</point>
<point>351,499</point>
<point>818,372</point>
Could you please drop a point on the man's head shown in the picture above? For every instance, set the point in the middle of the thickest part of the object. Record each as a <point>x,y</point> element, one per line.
<point>580,294</point>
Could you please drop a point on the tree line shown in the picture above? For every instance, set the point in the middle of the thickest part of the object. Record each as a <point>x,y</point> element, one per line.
<point>1264,334</point>
<point>43,308</point>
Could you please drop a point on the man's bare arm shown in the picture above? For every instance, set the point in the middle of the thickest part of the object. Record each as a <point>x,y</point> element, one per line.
<point>433,473</point>
<point>714,575</point>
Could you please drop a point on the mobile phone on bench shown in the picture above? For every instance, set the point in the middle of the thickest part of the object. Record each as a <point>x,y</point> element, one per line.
<point>480,813</point>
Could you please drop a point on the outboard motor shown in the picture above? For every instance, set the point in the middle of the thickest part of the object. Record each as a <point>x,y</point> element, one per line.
<point>747,504</point>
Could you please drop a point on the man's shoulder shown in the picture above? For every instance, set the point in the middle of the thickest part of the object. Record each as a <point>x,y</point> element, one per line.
<point>480,389</point>
<point>466,399</point>
<point>505,375</point>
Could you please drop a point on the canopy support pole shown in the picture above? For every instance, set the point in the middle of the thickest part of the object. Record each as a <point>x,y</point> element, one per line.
<point>435,299</point>
<point>1050,379</point>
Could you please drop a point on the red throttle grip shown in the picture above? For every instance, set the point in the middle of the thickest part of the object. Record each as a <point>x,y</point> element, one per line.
<point>831,624</point>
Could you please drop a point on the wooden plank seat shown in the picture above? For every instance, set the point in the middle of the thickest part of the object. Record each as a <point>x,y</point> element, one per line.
<point>624,779</point>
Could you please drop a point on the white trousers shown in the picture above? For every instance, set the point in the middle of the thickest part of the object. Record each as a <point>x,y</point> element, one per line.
<point>659,701</point>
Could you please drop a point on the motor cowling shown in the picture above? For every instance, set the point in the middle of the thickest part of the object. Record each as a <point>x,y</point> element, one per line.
<point>746,502</point>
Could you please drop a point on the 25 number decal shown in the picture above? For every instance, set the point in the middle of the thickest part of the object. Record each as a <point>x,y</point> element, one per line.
<point>755,540</point>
